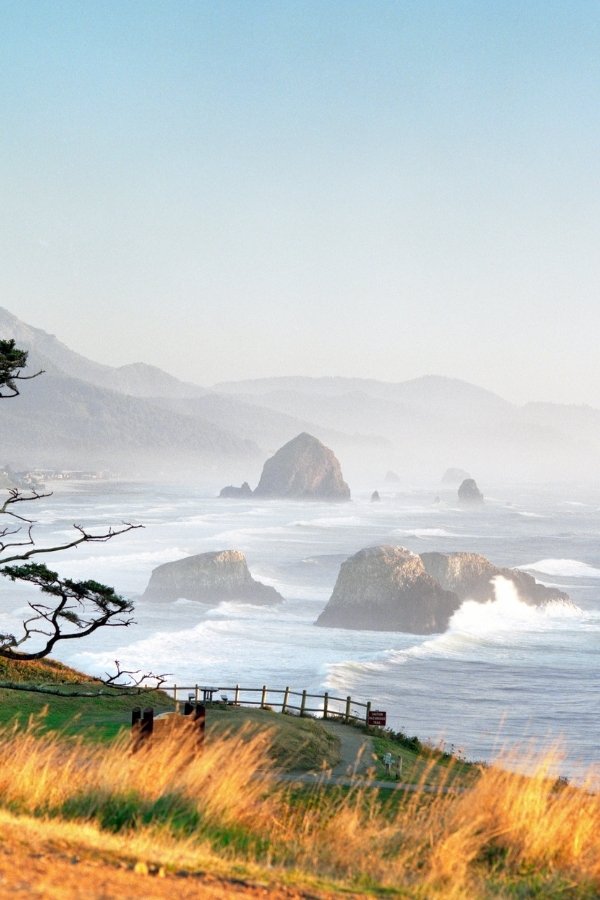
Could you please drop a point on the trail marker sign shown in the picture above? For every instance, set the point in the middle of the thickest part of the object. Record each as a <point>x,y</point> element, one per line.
<point>376,717</point>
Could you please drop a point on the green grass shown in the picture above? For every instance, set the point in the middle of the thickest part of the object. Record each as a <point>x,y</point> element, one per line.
<point>420,762</point>
<point>297,743</point>
<point>99,718</point>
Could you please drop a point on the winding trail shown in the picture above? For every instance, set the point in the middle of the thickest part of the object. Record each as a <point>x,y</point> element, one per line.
<point>357,757</point>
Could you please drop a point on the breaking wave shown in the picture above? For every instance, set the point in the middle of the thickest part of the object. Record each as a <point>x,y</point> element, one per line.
<point>473,629</point>
<point>567,568</point>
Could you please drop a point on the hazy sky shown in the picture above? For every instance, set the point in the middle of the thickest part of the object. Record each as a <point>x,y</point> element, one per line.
<point>239,189</point>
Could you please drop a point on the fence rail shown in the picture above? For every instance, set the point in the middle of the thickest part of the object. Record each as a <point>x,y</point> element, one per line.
<point>284,700</point>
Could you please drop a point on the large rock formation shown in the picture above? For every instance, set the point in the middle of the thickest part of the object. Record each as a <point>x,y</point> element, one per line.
<point>209,578</point>
<point>469,575</point>
<point>387,589</point>
<point>305,469</point>
<point>468,492</point>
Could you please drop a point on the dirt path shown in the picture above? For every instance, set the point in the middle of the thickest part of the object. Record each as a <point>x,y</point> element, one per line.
<point>35,863</point>
<point>356,749</point>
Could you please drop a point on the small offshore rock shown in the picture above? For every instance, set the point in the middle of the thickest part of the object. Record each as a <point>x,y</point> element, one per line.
<point>469,493</point>
<point>232,491</point>
<point>375,498</point>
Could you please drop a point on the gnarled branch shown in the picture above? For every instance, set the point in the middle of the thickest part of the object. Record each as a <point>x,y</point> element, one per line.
<point>78,609</point>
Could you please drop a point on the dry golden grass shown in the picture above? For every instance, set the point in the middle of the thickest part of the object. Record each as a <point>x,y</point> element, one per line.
<point>179,808</point>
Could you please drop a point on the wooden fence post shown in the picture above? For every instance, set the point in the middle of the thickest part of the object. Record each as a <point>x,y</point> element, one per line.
<point>347,716</point>
<point>285,699</point>
<point>367,713</point>
<point>303,703</point>
<point>195,693</point>
<point>200,719</point>
<point>325,704</point>
<point>236,698</point>
<point>175,698</point>
<point>263,699</point>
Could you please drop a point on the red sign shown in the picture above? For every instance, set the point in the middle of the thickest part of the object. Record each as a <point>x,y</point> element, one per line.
<point>376,717</point>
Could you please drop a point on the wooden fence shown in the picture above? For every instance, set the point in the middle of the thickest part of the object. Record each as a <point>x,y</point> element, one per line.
<point>283,700</point>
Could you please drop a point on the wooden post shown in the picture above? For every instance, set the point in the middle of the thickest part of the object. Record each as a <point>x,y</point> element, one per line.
<point>200,720</point>
<point>142,727</point>
<point>286,696</point>
<point>175,698</point>
<point>303,703</point>
<point>136,727</point>
<point>195,693</point>
<point>367,713</point>
<point>325,704</point>
<point>263,699</point>
<point>236,699</point>
<point>347,716</point>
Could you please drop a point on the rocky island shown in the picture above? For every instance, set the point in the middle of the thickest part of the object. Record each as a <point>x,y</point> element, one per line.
<point>209,578</point>
<point>303,469</point>
<point>389,588</point>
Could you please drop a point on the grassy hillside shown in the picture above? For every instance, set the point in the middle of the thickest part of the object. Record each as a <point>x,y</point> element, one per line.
<point>87,817</point>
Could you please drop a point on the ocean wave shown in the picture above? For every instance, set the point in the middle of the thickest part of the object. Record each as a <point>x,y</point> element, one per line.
<point>426,532</point>
<point>326,522</point>
<point>568,568</point>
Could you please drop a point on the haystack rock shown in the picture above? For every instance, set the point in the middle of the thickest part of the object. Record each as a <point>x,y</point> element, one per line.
<point>209,578</point>
<point>468,492</point>
<point>392,477</point>
<point>469,576</point>
<point>303,469</point>
<point>375,498</point>
<point>236,492</point>
<point>387,589</point>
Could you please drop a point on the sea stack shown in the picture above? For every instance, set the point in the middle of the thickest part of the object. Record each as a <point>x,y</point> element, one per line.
<point>303,469</point>
<point>470,576</point>
<point>209,578</point>
<point>386,588</point>
<point>469,493</point>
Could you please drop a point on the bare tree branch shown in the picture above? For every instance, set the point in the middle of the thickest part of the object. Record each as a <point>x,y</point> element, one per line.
<point>85,536</point>
<point>135,677</point>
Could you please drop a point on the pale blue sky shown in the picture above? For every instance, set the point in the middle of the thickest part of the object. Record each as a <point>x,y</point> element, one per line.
<point>240,189</point>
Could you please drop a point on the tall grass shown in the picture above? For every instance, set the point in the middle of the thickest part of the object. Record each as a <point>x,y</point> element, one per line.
<point>503,830</point>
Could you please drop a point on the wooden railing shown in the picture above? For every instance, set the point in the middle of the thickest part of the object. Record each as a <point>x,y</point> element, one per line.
<point>283,700</point>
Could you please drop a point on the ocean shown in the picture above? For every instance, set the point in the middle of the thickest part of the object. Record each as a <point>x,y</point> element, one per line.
<point>503,674</point>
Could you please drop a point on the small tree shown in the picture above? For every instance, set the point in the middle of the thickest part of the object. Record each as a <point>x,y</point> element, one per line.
<point>70,609</point>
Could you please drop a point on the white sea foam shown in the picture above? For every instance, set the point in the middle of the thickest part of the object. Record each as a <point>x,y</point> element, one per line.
<point>568,568</point>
